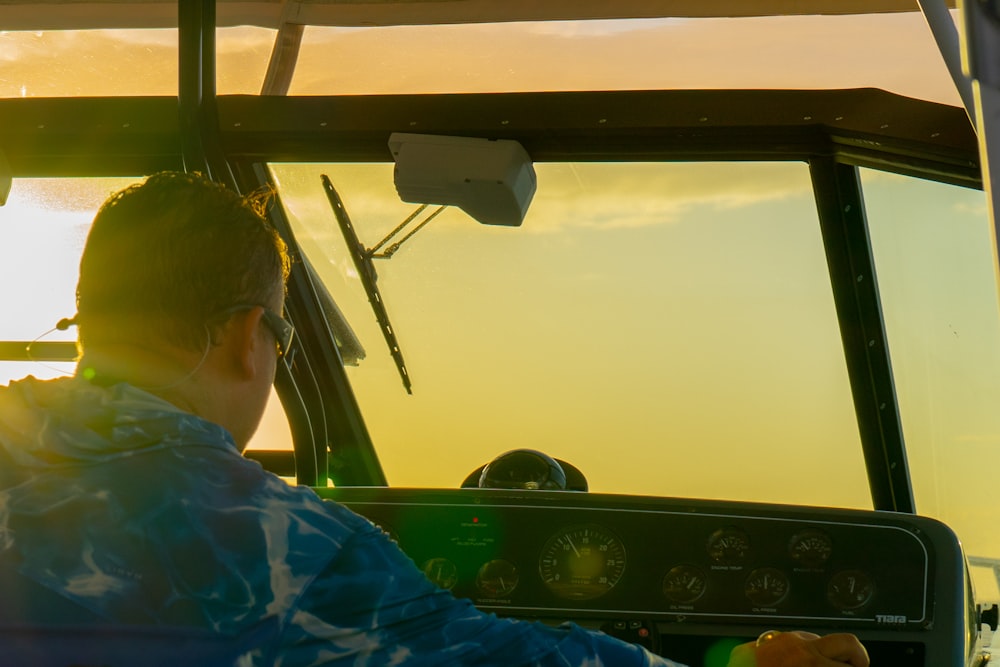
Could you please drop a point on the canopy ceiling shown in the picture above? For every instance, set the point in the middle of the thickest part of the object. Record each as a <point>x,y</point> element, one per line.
<point>83,14</point>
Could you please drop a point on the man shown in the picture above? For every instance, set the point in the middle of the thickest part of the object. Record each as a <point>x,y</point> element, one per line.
<point>123,489</point>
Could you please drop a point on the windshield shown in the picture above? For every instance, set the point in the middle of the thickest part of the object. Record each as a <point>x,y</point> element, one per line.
<point>669,329</point>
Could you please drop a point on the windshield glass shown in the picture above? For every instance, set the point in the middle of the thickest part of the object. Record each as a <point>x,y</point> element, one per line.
<point>667,328</point>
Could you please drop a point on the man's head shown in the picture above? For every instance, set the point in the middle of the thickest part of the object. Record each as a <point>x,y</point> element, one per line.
<point>165,257</point>
<point>181,286</point>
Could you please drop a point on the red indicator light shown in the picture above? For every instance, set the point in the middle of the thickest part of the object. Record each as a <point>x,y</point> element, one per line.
<point>475,519</point>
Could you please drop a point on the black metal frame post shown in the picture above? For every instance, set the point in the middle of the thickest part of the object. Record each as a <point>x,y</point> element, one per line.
<point>304,393</point>
<point>343,450</point>
<point>844,227</point>
<point>201,142</point>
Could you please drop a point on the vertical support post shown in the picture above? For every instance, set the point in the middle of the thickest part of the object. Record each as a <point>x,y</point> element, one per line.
<point>855,291</point>
<point>201,143</point>
<point>980,22</point>
<point>946,35</point>
<point>343,449</point>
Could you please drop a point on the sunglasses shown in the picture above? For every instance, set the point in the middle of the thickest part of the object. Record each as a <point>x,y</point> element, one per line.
<point>281,328</point>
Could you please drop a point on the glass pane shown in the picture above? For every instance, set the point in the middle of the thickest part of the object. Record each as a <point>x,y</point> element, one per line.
<point>669,329</point>
<point>43,370</point>
<point>43,228</point>
<point>243,55</point>
<point>895,52</point>
<point>80,63</point>
<point>934,255</point>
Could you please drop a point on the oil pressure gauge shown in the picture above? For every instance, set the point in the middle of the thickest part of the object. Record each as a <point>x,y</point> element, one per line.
<point>766,587</point>
<point>684,584</point>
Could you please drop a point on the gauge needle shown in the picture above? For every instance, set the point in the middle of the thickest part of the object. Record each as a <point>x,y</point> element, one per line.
<point>572,546</point>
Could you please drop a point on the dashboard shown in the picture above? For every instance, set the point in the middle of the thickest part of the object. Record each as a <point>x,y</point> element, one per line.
<point>688,577</point>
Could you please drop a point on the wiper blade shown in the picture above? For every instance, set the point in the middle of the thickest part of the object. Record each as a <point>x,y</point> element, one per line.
<point>366,270</point>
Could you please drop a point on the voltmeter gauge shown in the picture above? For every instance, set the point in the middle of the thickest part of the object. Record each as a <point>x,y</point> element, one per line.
<point>810,548</point>
<point>582,562</point>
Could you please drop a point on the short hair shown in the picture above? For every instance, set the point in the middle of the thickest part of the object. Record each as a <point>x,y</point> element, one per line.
<point>167,255</point>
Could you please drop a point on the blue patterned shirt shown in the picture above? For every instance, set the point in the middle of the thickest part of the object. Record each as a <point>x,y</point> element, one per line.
<point>140,513</point>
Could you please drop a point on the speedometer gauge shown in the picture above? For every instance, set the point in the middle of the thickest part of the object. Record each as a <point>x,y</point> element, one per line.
<point>582,562</point>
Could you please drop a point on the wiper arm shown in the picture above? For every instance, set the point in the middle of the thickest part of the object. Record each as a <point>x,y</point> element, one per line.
<point>366,269</point>
<point>374,253</point>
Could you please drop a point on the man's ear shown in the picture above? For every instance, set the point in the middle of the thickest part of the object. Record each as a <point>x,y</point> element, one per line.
<point>240,340</point>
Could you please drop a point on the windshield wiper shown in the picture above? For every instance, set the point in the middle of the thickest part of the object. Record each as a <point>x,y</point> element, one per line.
<point>366,270</point>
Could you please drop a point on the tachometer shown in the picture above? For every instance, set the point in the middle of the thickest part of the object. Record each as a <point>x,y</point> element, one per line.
<point>582,562</point>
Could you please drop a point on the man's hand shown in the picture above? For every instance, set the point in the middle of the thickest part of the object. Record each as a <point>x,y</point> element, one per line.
<point>800,649</point>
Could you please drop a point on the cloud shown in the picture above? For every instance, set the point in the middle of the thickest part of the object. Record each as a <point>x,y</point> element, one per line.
<point>616,195</point>
<point>596,27</point>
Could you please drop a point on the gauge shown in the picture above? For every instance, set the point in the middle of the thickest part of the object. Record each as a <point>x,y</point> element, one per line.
<point>728,546</point>
<point>441,571</point>
<point>810,547</point>
<point>766,586</point>
<point>684,584</point>
<point>850,589</point>
<point>582,562</point>
<point>497,578</point>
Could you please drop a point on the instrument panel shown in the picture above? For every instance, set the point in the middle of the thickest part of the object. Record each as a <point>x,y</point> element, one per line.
<point>678,575</point>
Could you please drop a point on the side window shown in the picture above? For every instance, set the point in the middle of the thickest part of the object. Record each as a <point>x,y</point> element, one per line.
<point>933,253</point>
<point>43,228</point>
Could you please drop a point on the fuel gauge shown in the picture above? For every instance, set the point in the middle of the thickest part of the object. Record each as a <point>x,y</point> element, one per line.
<point>850,589</point>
